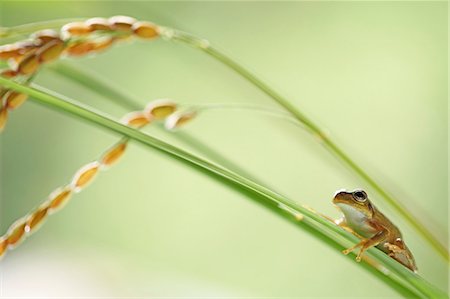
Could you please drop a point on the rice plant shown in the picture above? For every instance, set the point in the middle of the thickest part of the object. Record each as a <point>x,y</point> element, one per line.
<point>53,40</point>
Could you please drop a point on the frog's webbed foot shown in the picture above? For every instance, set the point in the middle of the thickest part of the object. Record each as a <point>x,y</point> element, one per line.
<point>360,244</point>
<point>366,244</point>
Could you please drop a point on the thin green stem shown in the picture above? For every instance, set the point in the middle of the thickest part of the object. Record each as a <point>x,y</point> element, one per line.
<point>396,275</point>
<point>330,145</point>
<point>11,32</point>
<point>97,84</point>
<point>245,107</point>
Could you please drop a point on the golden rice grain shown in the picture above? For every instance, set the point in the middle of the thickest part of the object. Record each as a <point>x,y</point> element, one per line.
<point>98,24</point>
<point>135,119</point>
<point>178,119</point>
<point>9,51</point>
<point>81,48</point>
<point>145,29</point>
<point>76,29</point>
<point>122,23</point>
<point>50,51</point>
<point>16,232</point>
<point>3,117</point>
<point>3,245</point>
<point>9,73</point>
<point>85,175</point>
<point>45,36</point>
<point>113,154</point>
<point>29,64</point>
<point>160,109</point>
<point>59,197</point>
<point>14,99</point>
<point>103,44</point>
<point>36,218</point>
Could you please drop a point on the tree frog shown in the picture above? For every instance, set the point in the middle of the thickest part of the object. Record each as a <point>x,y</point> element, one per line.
<point>361,218</point>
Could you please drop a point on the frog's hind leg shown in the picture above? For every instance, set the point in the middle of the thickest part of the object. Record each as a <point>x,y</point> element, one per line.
<point>400,252</point>
<point>367,243</point>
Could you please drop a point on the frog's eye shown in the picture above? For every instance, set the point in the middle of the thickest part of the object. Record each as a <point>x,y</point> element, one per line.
<point>360,196</point>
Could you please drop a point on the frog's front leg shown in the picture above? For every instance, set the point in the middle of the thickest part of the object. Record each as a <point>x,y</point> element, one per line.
<point>367,243</point>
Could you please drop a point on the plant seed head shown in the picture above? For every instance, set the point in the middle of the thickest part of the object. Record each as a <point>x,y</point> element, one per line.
<point>80,48</point>
<point>59,198</point>
<point>145,30</point>
<point>114,154</point>
<point>178,119</point>
<point>160,109</point>
<point>50,51</point>
<point>35,220</point>
<point>26,47</point>
<point>16,232</point>
<point>45,36</point>
<point>122,23</point>
<point>9,51</point>
<point>9,73</point>
<point>85,175</point>
<point>3,117</point>
<point>29,64</point>
<point>135,119</point>
<point>98,24</point>
<point>75,29</point>
<point>103,44</point>
<point>3,246</point>
<point>14,99</point>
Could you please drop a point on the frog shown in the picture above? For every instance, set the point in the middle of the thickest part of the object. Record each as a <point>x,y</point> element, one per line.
<point>373,228</point>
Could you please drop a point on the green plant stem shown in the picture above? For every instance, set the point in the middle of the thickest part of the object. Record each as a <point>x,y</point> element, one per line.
<point>330,145</point>
<point>11,32</point>
<point>97,84</point>
<point>397,276</point>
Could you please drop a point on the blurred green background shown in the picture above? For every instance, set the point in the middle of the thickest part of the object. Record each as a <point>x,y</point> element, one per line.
<point>372,74</point>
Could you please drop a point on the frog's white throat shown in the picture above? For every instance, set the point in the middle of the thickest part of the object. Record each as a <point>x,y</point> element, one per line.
<point>357,220</point>
<point>352,215</point>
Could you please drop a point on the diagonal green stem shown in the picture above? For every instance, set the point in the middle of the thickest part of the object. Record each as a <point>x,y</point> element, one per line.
<point>97,84</point>
<point>329,144</point>
<point>395,275</point>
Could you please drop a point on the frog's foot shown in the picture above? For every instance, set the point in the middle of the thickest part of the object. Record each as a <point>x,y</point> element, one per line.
<point>366,244</point>
<point>360,244</point>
